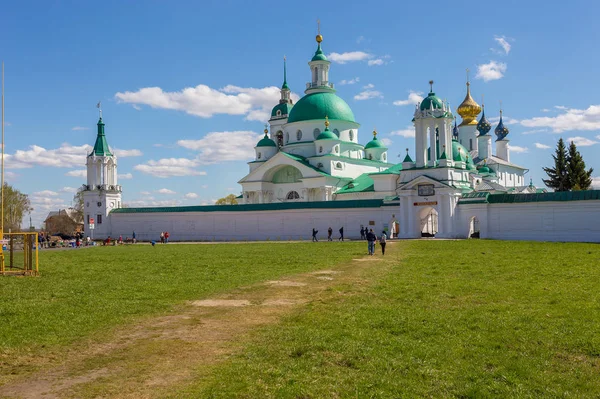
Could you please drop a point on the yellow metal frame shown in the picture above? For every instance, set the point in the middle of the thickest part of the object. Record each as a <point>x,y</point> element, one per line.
<point>30,261</point>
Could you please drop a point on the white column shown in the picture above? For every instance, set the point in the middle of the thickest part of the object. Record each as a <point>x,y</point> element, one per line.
<point>502,150</point>
<point>260,197</point>
<point>432,151</point>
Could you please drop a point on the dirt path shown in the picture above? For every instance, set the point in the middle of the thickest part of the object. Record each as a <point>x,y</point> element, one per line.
<point>151,358</point>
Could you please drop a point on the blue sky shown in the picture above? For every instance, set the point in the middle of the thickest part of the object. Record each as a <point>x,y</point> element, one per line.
<point>191,146</point>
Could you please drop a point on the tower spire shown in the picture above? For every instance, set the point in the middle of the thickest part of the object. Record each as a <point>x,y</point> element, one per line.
<point>285,85</point>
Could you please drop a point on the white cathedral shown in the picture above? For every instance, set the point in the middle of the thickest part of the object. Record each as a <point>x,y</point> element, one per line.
<point>311,171</point>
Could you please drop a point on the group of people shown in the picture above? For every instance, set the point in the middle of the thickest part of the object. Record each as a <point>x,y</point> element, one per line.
<point>329,234</point>
<point>371,238</point>
<point>164,237</point>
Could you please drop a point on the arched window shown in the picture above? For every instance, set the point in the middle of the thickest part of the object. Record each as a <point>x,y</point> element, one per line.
<point>292,195</point>
<point>259,156</point>
<point>320,149</point>
<point>278,112</point>
<point>351,135</point>
<point>371,156</point>
<point>279,138</point>
<point>384,157</point>
<point>316,132</point>
<point>336,149</point>
<point>287,137</point>
<point>338,165</point>
<point>315,74</point>
<point>471,144</point>
<point>299,135</point>
<point>337,132</point>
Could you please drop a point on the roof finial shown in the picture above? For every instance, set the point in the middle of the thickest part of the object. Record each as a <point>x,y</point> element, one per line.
<point>407,151</point>
<point>319,38</point>
<point>500,109</point>
<point>431,86</point>
<point>326,122</point>
<point>99,106</point>
<point>468,83</point>
<point>266,129</point>
<point>284,70</point>
<point>374,133</point>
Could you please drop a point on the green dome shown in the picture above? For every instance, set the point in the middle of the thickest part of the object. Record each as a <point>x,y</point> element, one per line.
<point>285,109</point>
<point>429,100</point>
<point>319,105</point>
<point>319,56</point>
<point>459,153</point>
<point>374,144</point>
<point>266,142</point>
<point>327,135</point>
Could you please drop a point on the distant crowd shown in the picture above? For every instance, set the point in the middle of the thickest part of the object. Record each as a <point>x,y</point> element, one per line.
<point>365,234</point>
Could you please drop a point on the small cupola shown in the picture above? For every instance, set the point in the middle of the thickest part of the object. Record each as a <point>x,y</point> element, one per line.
<point>265,148</point>
<point>375,150</point>
<point>327,142</point>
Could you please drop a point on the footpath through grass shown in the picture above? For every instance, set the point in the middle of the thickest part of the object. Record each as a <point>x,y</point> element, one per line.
<point>90,291</point>
<point>445,319</point>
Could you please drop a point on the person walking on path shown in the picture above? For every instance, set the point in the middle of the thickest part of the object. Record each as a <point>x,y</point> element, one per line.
<point>133,238</point>
<point>341,234</point>
<point>162,237</point>
<point>329,234</point>
<point>362,232</point>
<point>371,238</point>
<point>167,235</point>
<point>314,235</point>
<point>382,242</point>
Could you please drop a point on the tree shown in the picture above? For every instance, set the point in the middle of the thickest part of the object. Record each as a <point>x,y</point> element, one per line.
<point>579,178</point>
<point>229,200</point>
<point>16,205</point>
<point>78,205</point>
<point>558,175</point>
<point>61,223</point>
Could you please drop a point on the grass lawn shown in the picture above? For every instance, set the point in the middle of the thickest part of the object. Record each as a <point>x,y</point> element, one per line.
<point>89,291</point>
<point>439,319</point>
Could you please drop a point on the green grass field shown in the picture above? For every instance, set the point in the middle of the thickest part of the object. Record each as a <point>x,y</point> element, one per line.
<point>433,318</point>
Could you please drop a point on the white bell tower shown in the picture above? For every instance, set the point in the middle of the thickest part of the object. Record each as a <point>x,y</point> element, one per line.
<point>101,193</point>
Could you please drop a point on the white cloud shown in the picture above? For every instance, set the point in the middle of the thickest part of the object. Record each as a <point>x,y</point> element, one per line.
<point>46,193</point>
<point>204,186</point>
<point>64,157</point>
<point>414,97</point>
<point>368,93</point>
<point>127,153</point>
<point>571,119</point>
<point>165,191</point>
<point>491,71</point>
<point>385,141</point>
<point>377,61</point>
<point>349,81</point>
<point>77,128</point>
<point>541,146</point>
<point>506,120</point>
<point>145,192</point>
<point>517,149</point>
<point>204,101</point>
<point>191,195</point>
<point>409,132</point>
<point>350,56</point>
<point>125,176</point>
<point>596,182</point>
<point>598,137</point>
<point>169,167</point>
<point>217,147</point>
<point>68,190</point>
<point>77,173</point>
<point>581,141</point>
<point>503,43</point>
<point>545,110</point>
<point>561,107</point>
<point>151,202</point>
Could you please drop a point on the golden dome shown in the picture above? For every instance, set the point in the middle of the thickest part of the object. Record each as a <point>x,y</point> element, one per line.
<point>468,109</point>
<point>319,38</point>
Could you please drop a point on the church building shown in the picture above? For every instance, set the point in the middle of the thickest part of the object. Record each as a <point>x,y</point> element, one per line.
<point>311,171</point>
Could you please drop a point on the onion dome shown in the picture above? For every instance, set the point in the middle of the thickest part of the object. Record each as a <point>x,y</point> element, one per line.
<point>484,169</point>
<point>374,143</point>
<point>327,134</point>
<point>431,101</point>
<point>455,131</point>
<point>459,152</point>
<point>483,127</point>
<point>468,109</point>
<point>319,56</point>
<point>266,141</point>
<point>501,130</point>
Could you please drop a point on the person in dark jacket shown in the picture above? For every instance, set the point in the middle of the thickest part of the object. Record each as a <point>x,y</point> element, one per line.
<point>362,233</point>
<point>329,234</point>
<point>371,239</point>
<point>314,235</point>
<point>341,234</point>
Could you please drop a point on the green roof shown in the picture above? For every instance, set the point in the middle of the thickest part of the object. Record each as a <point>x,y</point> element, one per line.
<point>394,170</point>
<point>319,56</point>
<point>285,109</point>
<point>327,135</point>
<point>276,206</point>
<point>559,196</point>
<point>407,158</point>
<point>362,183</point>
<point>304,162</point>
<point>459,152</point>
<point>101,146</point>
<point>430,100</point>
<point>320,105</point>
<point>266,142</point>
<point>374,144</point>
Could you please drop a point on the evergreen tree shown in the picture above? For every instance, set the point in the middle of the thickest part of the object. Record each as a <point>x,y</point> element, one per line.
<point>558,175</point>
<point>579,178</point>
